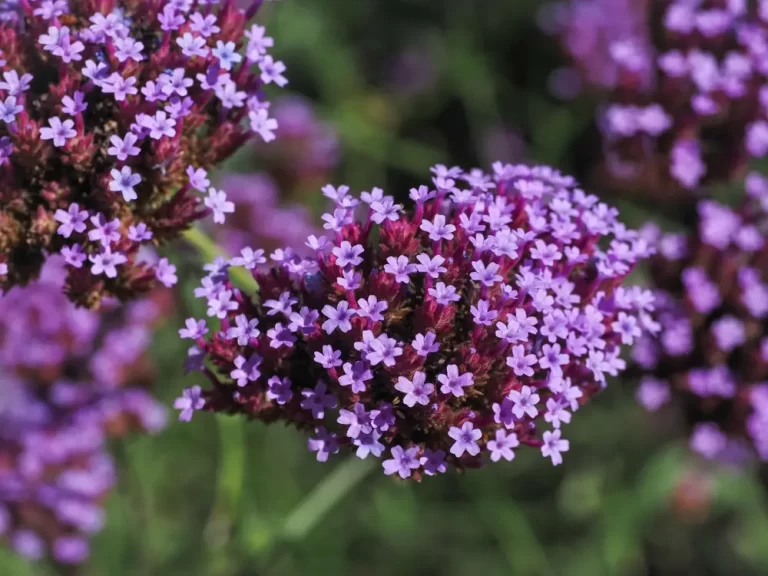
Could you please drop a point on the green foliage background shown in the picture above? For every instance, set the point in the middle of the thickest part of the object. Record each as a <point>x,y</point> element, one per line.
<point>223,497</point>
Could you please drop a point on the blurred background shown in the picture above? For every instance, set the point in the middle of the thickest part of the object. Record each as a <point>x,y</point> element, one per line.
<point>380,91</point>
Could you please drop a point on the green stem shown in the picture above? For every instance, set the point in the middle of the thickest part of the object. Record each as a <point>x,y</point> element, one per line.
<point>323,497</point>
<point>210,250</point>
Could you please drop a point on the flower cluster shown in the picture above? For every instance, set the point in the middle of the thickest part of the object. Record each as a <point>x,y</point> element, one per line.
<point>63,391</point>
<point>110,115</point>
<point>434,335</point>
<point>596,34</point>
<point>688,107</point>
<point>712,354</point>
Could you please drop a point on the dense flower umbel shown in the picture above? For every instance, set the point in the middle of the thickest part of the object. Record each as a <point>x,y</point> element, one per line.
<point>110,114</point>
<point>69,379</point>
<point>429,337</point>
<point>712,354</point>
<point>689,107</point>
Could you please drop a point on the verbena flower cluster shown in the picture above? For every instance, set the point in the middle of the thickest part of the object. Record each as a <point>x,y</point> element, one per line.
<point>469,325</point>
<point>687,103</point>
<point>591,31</point>
<point>69,379</point>
<point>712,301</point>
<point>111,113</point>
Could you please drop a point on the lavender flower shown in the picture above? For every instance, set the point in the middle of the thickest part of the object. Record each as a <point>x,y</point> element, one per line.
<point>712,352</point>
<point>117,116</point>
<point>423,377</point>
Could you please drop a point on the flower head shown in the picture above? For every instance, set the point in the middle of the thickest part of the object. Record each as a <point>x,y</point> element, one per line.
<point>711,351</point>
<point>673,79</point>
<point>107,112</point>
<point>70,378</point>
<point>439,353</point>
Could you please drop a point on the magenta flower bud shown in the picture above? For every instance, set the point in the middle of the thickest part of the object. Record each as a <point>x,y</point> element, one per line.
<point>711,353</point>
<point>478,321</point>
<point>115,119</point>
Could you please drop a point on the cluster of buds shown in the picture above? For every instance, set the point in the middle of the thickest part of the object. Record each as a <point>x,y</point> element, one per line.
<point>712,304</point>
<point>110,114</point>
<point>71,379</point>
<point>686,106</point>
<point>471,324</point>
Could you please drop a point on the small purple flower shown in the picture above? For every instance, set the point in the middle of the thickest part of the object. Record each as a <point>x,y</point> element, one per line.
<point>328,358</point>
<point>553,446</point>
<point>246,370</point>
<point>190,401</point>
<point>165,272</point>
<point>356,375</point>
<point>465,440</point>
<point>73,220</point>
<point>324,443</point>
<point>520,362</point>
<point>279,390</point>
<point>501,446</point>
<point>403,462</point>
<point>317,400</point>
<point>525,401</point>
<point>416,390</point>
<point>106,263</point>
<point>59,131</point>
<point>425,345</point>
<point>433,462</point>
<point>348,255</point>
<point>194,329</point>
<point>357,420</point>
<point>453,383</point>
<point>338,317</point>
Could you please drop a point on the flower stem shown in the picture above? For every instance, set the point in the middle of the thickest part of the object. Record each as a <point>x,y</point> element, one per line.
<point>210,250</point>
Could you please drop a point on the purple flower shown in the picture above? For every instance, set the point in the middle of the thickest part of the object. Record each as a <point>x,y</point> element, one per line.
<point>59,131</point>
<point>425,345</point>
<point>279,390</point>
<point>404,462</point>
<point>348,255</point>
<point>433,462</point>
<point>501,446</point>
<point>190,400</point>
<point>356,376</point>
<point>165,272</point>
<point>358,420</point>
<point>465,440</point>
<point>520,362</point>
<point>73,220</point>
<point>417,389</point>
<point>317,400</point>
<point>218,203</point>
<point>338,317</point>
<point>554,446</point>
<point>452,382</point>
<point>246,370</point>
<point>525,401</point>
<point>194,329</point>
<point>324,443</point>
